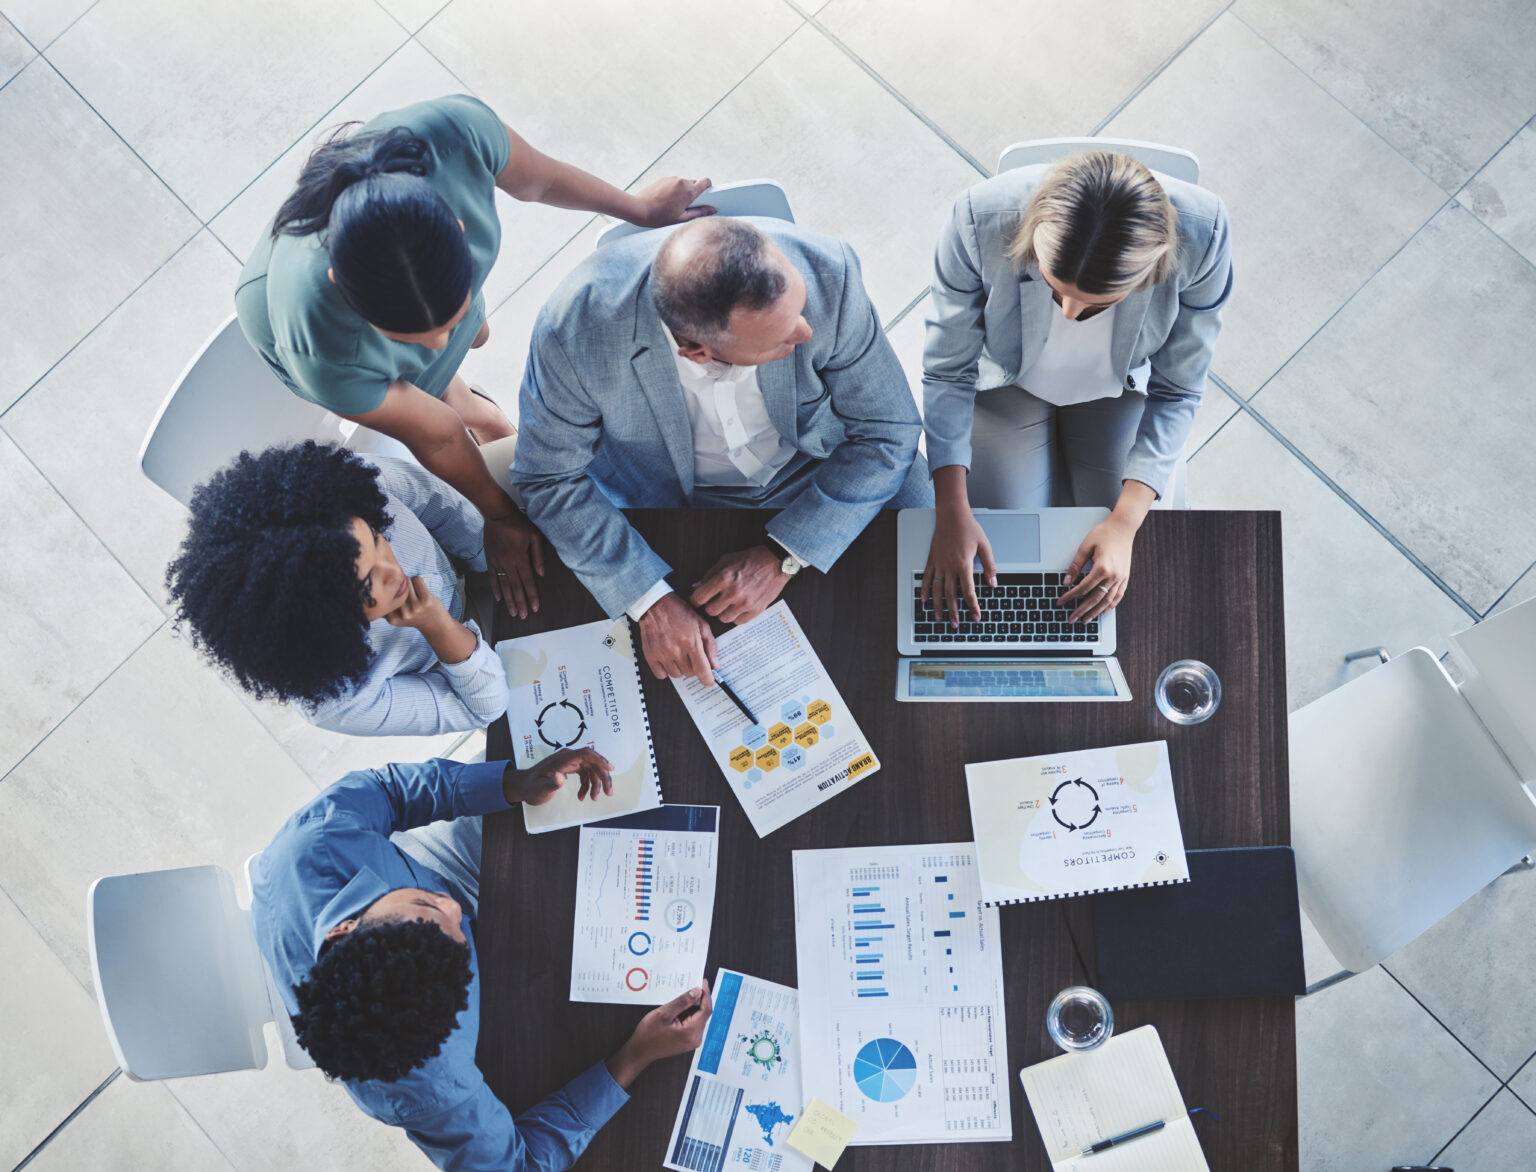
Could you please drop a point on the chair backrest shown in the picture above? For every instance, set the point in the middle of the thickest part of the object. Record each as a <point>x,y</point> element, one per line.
<point>1171,161</point>
<point>1402,807</point>
<point>293,1053</point>
<point>745,197</point>
<point>177,972</point>
<point>1497,660</point>
<point>227,401</point>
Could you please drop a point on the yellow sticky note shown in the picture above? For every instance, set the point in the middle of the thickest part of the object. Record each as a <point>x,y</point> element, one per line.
<point>822,1133</point>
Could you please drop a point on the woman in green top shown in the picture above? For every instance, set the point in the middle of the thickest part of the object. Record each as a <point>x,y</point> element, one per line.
<point>365,294</point>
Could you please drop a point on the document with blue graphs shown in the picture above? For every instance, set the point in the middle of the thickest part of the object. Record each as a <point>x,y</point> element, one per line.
<point>743,1092</point>
<point>901,993</point>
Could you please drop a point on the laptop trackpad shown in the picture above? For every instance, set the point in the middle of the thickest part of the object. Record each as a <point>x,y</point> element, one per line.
<point>1015,537</point>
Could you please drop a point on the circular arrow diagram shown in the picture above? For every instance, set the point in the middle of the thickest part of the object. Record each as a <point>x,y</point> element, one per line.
<point>1076,804</point>
<point>559,722</point>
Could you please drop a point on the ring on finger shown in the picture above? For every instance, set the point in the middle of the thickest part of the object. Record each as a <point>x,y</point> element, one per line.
<point>1104,588</point>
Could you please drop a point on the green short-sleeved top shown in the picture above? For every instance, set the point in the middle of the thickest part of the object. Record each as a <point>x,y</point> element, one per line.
<point>312,339</point>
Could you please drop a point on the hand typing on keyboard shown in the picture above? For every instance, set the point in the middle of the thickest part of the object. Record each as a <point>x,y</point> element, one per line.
<point>1100,569</point>
<point>958,542</point>
<point>1019,609</point>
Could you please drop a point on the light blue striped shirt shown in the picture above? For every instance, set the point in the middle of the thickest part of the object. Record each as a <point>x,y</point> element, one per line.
<point>407,691</point>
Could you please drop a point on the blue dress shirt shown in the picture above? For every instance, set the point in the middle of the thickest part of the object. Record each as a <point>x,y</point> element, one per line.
<point>332,860</point>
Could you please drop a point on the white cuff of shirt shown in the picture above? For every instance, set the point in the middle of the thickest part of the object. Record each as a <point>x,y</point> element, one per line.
<point>647,600</point>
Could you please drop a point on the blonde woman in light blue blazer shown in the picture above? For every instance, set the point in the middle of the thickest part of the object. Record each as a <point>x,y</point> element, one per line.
<point>1074,311</point>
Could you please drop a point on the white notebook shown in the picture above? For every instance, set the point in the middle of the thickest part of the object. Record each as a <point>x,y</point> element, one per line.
<point>581,687</point>
<point>1080,1099</point>
<point>1075,823</point>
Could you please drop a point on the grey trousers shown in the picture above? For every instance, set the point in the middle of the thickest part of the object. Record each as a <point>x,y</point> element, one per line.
<point>452,850</point>
<point>1029,454</point>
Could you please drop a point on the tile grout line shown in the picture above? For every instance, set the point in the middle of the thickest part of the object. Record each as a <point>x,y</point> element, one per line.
<point>127,297</point>
<point>1509,589</point>
<point>129,147</point>
<point>1436,1019</point>
<point>1340,103</point>
<point>198,1123</point>
<point>68,1119</point>
<point>1413,558</point>
<point>1468,1123</point>
<point>313,126</point>
<point>53,40</point>
<point>942,134</point>
<point>1159,71</point>
<point>59,723</point>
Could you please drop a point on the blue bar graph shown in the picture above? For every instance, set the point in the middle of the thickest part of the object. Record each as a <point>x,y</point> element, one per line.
<point>872,958</point>
<point>862,892</point>
<point>867,976</point>
<point>866,941</point>
<point>873,993</point>
<point>870,925</point>
<point>865,908</point>
<point>941,878</point>
<point>957,915</point>
<point>943,933</point>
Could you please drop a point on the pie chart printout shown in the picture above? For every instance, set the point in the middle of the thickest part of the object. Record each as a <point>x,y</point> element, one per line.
<point>884,1070</point>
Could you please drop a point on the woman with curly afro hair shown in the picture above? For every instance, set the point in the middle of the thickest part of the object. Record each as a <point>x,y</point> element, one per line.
<point>320,579</point>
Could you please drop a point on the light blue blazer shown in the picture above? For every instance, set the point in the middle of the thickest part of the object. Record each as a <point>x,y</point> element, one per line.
<point>604,424</point>
<point>988,322</point>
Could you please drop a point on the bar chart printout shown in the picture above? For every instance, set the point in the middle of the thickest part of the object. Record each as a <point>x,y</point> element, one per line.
<point>743,1095</point>
<point>645,898</point>
<point>901,980</point>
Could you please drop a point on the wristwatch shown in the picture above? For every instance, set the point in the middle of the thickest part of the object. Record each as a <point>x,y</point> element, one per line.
<point>790,564</point>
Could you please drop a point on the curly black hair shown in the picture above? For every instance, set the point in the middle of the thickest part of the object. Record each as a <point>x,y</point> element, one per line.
<point>382,999</point>
<point>267,577</point>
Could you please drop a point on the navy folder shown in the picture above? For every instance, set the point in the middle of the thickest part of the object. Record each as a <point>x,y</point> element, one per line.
<point>1234,930</point>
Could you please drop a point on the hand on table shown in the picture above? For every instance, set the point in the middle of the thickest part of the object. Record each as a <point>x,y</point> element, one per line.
<point>676,641</point>
<point>948,578</point>
<point>536,785</point>
<point>674,1028</point>
<point>514,554</point>
<point>666,202</point>
<point>1108,548</point>
<point>741,585</point>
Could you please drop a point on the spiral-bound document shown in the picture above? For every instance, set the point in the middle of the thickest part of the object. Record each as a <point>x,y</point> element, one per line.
<point>1075,823</point>
<point>574,688</point>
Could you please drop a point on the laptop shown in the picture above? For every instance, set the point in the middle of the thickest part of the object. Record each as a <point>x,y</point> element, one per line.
<point>1025,648</point>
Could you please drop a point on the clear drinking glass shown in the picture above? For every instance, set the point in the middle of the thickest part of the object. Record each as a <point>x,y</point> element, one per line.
<point>1188,692</point>
<point>1080,1018</point>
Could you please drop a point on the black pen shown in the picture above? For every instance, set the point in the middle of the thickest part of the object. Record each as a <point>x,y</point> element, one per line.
<point>734,698</point>
<point>1105,1144</point>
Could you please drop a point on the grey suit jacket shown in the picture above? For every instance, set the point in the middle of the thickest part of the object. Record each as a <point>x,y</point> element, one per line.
<point>988,322</point>
<point>604,424</point>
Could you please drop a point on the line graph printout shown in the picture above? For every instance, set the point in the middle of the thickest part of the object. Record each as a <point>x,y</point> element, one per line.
<point>901,979</point>
<point>645,899</point>
<point>743,1093</point>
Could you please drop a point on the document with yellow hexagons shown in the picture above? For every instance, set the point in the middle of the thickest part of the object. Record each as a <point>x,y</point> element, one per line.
<point>803,746</point>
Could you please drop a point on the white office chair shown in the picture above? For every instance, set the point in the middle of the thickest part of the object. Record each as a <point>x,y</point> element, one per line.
<point>1410,794</point>
<point>227,401</point>
<point>1171,161</point>
<point>182,987</point>
<point>745,197</point>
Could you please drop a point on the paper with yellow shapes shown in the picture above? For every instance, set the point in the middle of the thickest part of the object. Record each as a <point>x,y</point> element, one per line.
<point>822,1133</point>
<point>575,688</point>
<point>803,748</point>
<point>1076,823</point>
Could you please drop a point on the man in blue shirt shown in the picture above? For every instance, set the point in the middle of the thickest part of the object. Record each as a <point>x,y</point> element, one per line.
<point>363,907</point>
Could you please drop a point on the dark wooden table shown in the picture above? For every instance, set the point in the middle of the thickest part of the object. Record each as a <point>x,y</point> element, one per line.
<point>1205,586</point>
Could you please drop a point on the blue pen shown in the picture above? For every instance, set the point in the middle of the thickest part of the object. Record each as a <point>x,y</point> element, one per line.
<point>734,698</point>
<point>1105,1144</point>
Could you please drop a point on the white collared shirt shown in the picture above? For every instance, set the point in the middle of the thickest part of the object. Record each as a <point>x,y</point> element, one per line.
<point>734,441</point>
<point>1075,366</point>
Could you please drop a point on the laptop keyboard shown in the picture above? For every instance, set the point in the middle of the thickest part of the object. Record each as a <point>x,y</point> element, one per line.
<point>1021,608</point>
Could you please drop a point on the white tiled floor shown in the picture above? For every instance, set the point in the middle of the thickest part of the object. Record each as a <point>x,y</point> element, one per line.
<point>1379,166</point>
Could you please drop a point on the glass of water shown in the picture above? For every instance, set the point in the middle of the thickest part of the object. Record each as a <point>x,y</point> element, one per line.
<point>1188,692</point>
<point>1079,1019</point>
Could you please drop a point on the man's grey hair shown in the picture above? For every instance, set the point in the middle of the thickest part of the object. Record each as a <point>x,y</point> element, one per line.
<point>708,268</point>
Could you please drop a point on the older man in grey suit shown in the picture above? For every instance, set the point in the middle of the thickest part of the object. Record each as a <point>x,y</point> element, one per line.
<point>732,363</point>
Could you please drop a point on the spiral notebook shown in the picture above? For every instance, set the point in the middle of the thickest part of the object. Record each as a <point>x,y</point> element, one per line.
<point>581,687</point>
<point>1075,823</point>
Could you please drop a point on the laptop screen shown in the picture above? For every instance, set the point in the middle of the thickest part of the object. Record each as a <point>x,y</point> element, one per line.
<point>938,679</point>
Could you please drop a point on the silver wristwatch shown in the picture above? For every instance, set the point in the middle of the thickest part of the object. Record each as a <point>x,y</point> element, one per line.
<point>790,564</point>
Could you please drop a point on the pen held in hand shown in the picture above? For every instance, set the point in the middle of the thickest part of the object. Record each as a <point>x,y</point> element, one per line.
<point>734,698</point>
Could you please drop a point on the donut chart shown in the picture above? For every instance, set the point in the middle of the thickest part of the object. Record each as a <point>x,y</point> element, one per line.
<point>884,1070</point>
